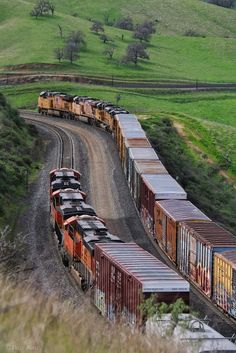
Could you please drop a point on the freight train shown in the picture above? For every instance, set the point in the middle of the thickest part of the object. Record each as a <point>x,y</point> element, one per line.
<point>203,251</point>
<point>120,276</point>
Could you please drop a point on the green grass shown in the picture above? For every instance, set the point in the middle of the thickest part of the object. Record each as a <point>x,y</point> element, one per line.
<point>208,119</point>
<point>172,56</point>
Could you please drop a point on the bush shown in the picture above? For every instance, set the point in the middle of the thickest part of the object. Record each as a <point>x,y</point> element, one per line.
<point>202,182</point>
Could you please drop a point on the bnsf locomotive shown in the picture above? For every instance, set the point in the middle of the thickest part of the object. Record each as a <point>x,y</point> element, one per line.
<point>203,251</point>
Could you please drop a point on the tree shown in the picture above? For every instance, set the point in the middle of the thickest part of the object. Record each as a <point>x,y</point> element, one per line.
<point>42,7</point>
<point>104,38</point>
<point>71,52</point>
<point>144,31</point>
<point>77,38</point>
<point>51,7</point>
<point>73,44</point>
<point>35,12</point>
<point>134,51</point>
<point>60,30</point>
<point>59,54</point>
<point>97,27</point>
<point>125,23</point>
<point>109,50</point>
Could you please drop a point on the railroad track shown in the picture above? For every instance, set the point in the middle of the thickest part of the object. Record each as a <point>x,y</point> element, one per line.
<point>217,316</point>
<point>66,150</point>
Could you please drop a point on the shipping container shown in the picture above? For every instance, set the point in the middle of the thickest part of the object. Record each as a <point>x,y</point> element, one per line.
<point>125,275</point>
<point>127,128</point>
<point>126,132</point>
<point>144,167</point>
<point>157,187</point>
<point>167,215</point>
<point>119,119</point>
<point>224,281</point>
<point>197,243</point>
<point>137,154</point>
<point>132,143</point>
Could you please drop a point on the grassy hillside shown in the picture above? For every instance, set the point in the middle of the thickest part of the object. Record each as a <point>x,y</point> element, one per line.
<point>27,40</point>
<point>30,323</point>
<point>19,152</point>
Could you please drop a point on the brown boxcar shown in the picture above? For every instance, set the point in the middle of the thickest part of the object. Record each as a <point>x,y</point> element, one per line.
<point>157,187</point>
<point>197,243</point>
<point>224,281</point>
<point>144,167</point>
<point>167,215</point>
<point>125,274</point>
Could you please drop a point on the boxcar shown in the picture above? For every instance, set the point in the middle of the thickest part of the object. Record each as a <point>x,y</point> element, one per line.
<point>137,154</point>
<point>224,281</point>
<point>157,187</point>
<point>125,274</point>
<point>197,243</point>
<point>144,167</point>
<point>132,143</point>
<point>119,118</point>
<point>167,215</point>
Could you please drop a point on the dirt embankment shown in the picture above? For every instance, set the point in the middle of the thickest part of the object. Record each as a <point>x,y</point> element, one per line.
<point>29,73</point>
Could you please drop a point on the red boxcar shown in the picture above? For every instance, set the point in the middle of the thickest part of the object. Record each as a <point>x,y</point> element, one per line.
<point>157,187</point>
<point>125,275</point>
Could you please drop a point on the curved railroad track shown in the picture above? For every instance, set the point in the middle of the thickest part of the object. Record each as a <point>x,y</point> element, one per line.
<point>48,275</point>
<point>108,192</point>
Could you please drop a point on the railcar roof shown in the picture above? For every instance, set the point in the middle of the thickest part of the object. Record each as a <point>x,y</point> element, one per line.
<point>180,210</point>
<point>153,275</point>
<point>211,233</point>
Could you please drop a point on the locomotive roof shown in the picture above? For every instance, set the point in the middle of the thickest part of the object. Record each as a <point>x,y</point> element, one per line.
<point>70,196</point>
<point>60,183</point>
<point>90,240</point>
<point>65,174</point>
<point>180,210</point>
<point>74,208</point>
